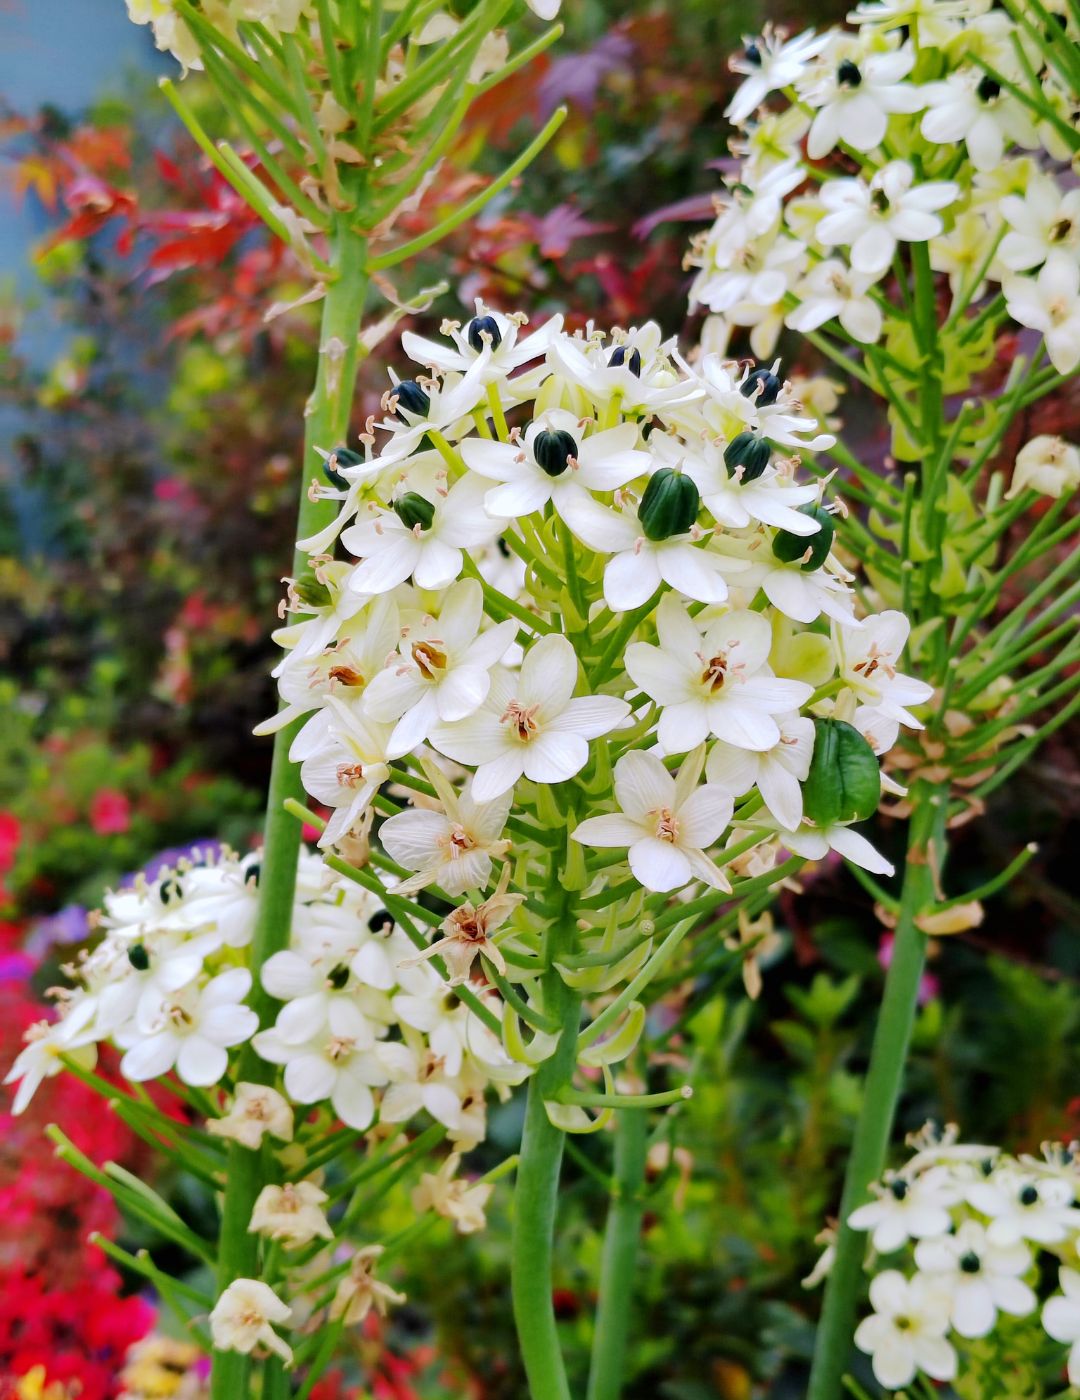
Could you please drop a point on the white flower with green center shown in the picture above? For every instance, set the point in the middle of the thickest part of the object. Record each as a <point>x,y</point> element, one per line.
<point>1043,220</point>
<point>1050,303</point>
<point>555,462</point>
<point>443,672</point>
<point>970,106</point>
<point>798,590</point>
<point>777,772</point>
<point>770,62</point>
<point>872,218</point>
<point>327,984</point>
<point>454,848</point>
<point>1021,1206</point>
<point>1061,1319</point>
<point>906,1333</point>
<point>982,1278</point>
<point>420,537</point>
<point>868,660</point>
<point>531,724</point>
<point>713,680</point>
<point>331,1069</point>
<point>666,823</point>
<point>190,1031</point>
<point>636,370</point>
<point>639,565</point>
<point>416,407</point>
<point>908,1208</point>
<point>508,350</point>
<point>732,494</point>
<point>831,291</point>
<point>856,96</point>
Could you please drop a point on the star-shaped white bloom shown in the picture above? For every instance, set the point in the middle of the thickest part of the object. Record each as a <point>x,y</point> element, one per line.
<point>908,1208</point>
<point>832,291</point>
<point>906,1332</point>
<point>39,1059</point>
<point>969,106</point>
<point>508,349</point>
<point>815,843</point>
<point>576,464</point>
<point>713,680</point>
<point>801,594</point>
<point>639,565</point>
<point>855,97</point>
<point>1061,1319</point>
<point>1043,220</point>
<point>770,498</point>
<point>530,724</point>
<point>329,1068</point>
<point>443,672</point>
<point>418,1081</point>
<point>1021,1206</point>
<point>191,1031</point>
<point>431,555</point>
<point>1050,303</point>
<point>348,767</point>
<point>770,62</point>
<point>452,848</point>
<point>776,772</point>
<point>292,1214</point>
<point>1046,464</point>
<point>872,218</point>
<point>868,657</point>
<point>666,823</point>
<point>636,370</point>
<point>982,1278</point>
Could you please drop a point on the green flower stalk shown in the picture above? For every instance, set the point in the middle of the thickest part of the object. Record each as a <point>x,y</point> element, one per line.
<point>955,233</point>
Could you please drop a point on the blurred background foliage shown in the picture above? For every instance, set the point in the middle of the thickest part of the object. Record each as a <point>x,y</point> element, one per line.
<point>146,501</point>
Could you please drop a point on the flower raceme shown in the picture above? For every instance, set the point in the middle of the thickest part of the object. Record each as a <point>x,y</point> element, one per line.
<point>938,125</point>
<point>981,1229</point>
<point>596,558</point>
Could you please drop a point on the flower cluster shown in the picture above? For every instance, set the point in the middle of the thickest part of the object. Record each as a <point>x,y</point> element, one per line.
<point>575,562</point>
<point>173,35</point>
<point>940,126</point>
<point>982,1228</point>
<point>358,1028</point>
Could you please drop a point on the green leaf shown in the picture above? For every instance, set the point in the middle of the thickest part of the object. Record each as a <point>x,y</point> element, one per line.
<point>844,783</point>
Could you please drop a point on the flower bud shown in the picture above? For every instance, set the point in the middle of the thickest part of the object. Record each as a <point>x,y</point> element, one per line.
<point>632,361</point>
<point>669,506</point>
<point>412,509</point>
<point>552,450</point>
<point>410,399</point>
<point>481,328</point>
<point>769,390</point>
<point>750,452</point>
<point>788,547</point>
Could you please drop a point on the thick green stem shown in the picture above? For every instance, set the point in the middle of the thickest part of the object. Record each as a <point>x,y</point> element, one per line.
<point>327,425</point>
<point>881,1089</point>
<point>617,1270</point>
<point>536,1195</point>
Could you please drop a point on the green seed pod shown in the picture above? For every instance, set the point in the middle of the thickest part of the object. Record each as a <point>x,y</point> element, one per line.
<point>750,452</point>
<point>551,451</point>
<point>669,506</point>
<point>412,509</point>
<point>844,782</point>
<point>340,457</point>
<point>310,591</point>
<point>138,957</point>
<point>788,547</point>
